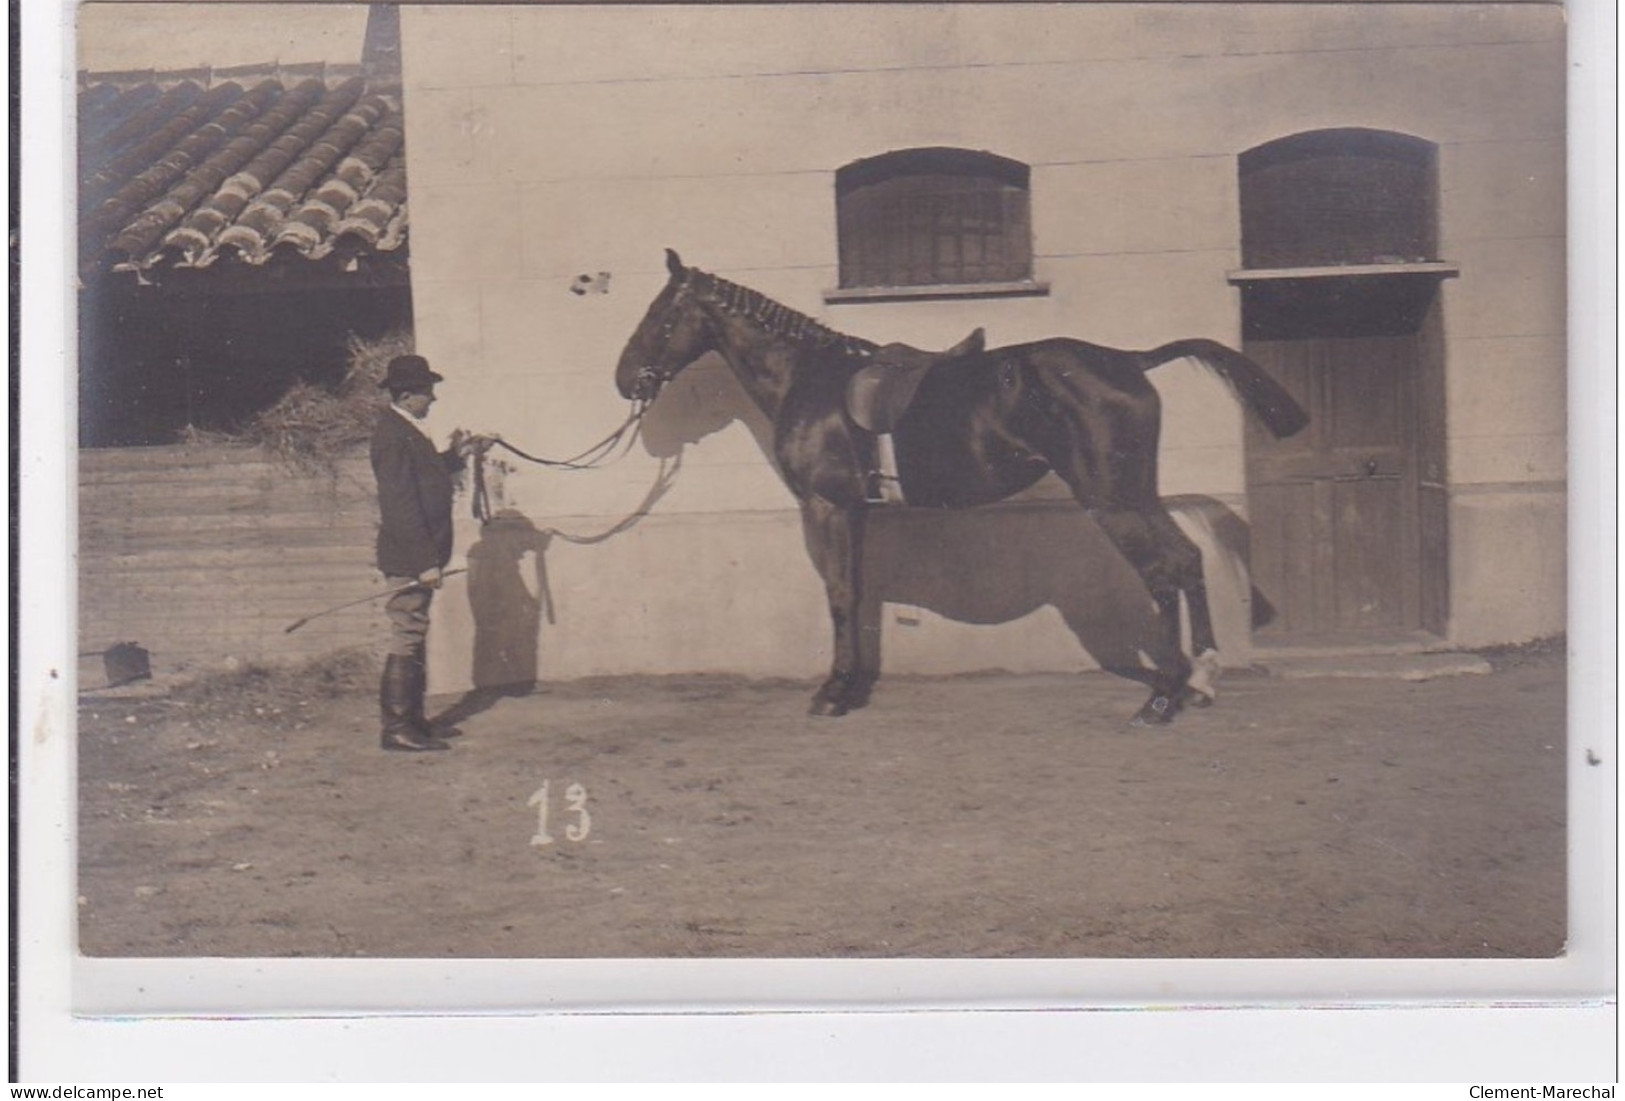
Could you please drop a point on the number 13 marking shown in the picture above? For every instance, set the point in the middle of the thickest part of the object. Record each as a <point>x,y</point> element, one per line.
<point>575,799</point>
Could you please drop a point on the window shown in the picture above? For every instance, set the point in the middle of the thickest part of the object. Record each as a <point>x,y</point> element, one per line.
<point>1339,197</point>
<point>1339,235</point>
<point>920,218</point>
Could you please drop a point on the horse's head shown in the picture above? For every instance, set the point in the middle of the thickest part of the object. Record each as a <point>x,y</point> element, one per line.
<point>673,333</point>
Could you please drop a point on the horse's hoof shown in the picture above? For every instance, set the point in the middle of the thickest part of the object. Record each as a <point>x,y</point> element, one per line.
<point>827,708</point>
<point>839,695</point>
<point>1191,697</point>
<point>1202,686</point>
<point>1158,711</point>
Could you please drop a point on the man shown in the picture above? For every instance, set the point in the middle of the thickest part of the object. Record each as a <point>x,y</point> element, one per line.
<point>414,543</point>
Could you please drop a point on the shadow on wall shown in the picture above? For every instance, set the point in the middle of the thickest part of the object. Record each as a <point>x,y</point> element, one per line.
<point>508,591</point>
<point>999,563</point>
<point>508,595</point>
<point>700,402</point>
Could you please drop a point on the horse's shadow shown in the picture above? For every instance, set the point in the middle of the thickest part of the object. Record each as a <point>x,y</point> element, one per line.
<point>989,565</point>
<point>700,402</point>
<point>999,563</point>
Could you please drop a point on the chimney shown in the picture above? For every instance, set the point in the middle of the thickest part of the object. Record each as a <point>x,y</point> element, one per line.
<point>381,54</point>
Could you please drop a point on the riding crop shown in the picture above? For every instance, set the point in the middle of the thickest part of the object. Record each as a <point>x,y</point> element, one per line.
<point>294,626</point>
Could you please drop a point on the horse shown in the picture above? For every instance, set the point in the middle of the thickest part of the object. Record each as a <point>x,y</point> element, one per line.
<point>983,425</point>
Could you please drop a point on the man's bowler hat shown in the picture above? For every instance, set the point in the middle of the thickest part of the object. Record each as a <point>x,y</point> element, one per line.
<point>409,373</point>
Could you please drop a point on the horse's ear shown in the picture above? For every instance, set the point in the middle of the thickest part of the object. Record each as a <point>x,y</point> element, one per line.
<point>674,263</point>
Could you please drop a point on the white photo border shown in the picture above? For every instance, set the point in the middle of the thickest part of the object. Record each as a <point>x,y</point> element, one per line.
<point>770,1019</point>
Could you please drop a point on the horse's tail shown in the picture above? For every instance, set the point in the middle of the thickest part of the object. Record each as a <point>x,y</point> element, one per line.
<point>1281,414</point>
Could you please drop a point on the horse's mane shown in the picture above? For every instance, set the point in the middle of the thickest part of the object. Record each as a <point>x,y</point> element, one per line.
<point>777,318</point>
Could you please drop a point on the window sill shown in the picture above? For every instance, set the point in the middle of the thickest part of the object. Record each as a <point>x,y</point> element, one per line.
<point>1343,271</point>
<point>1025,288</point>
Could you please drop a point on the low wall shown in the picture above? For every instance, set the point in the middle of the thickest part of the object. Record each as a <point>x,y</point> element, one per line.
<point>204,555</point>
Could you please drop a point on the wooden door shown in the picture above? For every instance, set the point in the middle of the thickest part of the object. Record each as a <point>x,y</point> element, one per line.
<point>1335,550</point>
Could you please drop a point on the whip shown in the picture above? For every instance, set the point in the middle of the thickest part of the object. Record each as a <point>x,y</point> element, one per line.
<point>296,624</point>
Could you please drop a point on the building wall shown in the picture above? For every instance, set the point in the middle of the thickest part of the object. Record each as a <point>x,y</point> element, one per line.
<point>558,140</point>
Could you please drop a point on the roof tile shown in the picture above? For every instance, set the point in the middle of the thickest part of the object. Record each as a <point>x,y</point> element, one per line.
<point>182,173</point>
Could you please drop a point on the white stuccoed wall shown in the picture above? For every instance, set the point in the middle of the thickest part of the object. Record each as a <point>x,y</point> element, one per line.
<point>552,141</point>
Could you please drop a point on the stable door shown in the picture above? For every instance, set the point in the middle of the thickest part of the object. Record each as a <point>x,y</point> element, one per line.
<point>1334,510</point>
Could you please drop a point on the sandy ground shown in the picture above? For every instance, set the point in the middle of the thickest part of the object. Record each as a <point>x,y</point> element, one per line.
<point>979,816</point>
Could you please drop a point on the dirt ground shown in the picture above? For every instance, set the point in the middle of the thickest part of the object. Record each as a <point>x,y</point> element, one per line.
<point>975,816</point>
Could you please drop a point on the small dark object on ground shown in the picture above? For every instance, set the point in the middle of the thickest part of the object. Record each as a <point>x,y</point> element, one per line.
<point>126,662</point>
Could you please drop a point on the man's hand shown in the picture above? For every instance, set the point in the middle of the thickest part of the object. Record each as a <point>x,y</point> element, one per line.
<point>464,444</point>
<point>430,577</point>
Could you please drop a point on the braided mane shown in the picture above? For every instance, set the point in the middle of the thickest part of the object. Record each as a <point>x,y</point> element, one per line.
<point>777,318</point>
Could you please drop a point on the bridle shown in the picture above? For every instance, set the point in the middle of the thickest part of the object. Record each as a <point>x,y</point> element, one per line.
<point>650,378</point>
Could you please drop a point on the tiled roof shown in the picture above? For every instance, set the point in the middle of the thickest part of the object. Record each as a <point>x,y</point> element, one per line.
<point>183,169</point>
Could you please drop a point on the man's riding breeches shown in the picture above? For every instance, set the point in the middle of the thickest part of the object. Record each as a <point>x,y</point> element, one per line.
<point>408,613</point>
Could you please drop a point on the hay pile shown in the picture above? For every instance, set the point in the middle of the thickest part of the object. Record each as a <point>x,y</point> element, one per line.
<point>313,427</point>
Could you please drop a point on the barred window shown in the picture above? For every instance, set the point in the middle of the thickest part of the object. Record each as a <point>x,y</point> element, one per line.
<point>1339,197</point>
<point>932,217</point>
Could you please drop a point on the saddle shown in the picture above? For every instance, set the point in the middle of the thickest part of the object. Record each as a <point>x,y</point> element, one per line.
<point>879,394</point>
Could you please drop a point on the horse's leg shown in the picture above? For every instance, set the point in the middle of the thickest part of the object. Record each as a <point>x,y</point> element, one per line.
<point>1186,559</point>
<point>835,540</point>
<point>1164,565</point>
<point>1158,564</point>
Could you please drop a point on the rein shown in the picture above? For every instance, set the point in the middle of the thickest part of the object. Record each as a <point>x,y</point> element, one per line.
<point>599,454</point>
<point>664,479</point>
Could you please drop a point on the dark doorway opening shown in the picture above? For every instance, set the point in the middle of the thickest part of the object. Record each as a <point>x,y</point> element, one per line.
<point>155,360</point>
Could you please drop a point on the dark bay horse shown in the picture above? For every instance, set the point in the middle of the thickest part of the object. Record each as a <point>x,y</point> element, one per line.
<point>982,426</point>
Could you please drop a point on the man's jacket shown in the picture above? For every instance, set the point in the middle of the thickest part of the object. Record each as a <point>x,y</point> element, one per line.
<point>414,498</point>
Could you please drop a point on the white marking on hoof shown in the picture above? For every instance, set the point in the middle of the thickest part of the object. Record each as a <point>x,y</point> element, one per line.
<point>1204,678</point>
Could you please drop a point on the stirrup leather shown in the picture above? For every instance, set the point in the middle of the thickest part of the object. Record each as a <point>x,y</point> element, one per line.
<point>882,486</point>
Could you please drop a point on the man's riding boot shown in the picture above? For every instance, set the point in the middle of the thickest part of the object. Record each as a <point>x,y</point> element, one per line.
<point>396,695</point>
<point>420,687</point>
